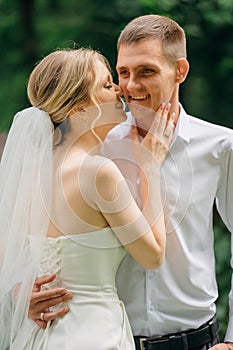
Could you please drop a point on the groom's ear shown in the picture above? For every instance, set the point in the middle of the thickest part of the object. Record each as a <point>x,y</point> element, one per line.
<point>182,68</point>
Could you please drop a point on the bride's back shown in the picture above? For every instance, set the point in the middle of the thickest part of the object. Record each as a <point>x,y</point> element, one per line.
<point>72,206</point>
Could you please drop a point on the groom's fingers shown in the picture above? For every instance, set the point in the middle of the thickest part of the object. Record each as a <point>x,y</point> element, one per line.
<point>41,302</point>
<point>52,315</point>
<point>39,281</point>
<point>41,324</point>
<point>49,294</point>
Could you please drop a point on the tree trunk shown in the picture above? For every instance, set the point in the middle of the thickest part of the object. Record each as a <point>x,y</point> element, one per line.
<point>28,30</point>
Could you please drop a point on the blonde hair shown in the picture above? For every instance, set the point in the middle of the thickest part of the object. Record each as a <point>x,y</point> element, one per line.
<point>63,80</point>
<point>164,29</point>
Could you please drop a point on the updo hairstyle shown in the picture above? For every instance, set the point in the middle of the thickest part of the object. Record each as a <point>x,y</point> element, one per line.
<point>63,80</point>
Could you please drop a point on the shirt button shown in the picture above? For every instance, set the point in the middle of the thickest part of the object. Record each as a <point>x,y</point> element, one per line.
<point>151,307</point>
<point>151,274</point>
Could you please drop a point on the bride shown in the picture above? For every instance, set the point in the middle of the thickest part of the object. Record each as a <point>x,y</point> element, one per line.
<point>64,208</point>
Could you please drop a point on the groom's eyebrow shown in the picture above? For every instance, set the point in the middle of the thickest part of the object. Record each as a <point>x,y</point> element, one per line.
<point>138,64</point>
<point>119,67</point>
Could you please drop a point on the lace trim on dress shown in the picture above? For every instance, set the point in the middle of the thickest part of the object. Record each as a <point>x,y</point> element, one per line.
<point>51,261</point>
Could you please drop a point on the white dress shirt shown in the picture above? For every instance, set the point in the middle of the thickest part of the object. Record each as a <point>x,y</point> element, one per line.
<point>181,294</point>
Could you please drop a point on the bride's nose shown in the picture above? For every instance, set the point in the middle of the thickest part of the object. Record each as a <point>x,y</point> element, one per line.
<point>117,90</point>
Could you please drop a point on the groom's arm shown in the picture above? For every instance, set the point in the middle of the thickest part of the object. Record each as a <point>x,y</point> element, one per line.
<point>42,300</point>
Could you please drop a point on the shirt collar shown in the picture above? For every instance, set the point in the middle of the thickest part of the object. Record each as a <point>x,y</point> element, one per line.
<point>183,125</point>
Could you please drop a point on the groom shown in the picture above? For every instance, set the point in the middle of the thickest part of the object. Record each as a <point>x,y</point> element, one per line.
<point>172,307</point>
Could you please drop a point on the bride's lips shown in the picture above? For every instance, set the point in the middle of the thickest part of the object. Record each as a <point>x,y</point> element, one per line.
<point>119,105</point>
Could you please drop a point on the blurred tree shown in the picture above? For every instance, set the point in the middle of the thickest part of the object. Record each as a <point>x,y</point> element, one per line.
<point>30,29</point>
<point>209,28</point>
<point>28,32</point>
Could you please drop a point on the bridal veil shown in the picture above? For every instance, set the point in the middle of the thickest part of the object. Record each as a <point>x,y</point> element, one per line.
<point>25,187</point>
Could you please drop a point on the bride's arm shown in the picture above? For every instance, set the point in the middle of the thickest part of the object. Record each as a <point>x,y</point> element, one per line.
<point>141,232</point>
<point>142,236</point>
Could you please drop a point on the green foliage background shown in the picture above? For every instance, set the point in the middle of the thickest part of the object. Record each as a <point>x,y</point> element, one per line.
<point>30,29</point>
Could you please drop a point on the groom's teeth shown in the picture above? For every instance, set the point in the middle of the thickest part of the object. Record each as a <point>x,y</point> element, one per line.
<point>142,97</point>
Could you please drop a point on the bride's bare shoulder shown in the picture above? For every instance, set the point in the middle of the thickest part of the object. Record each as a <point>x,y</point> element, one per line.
<point>103,171</point>
<point>105,168</point>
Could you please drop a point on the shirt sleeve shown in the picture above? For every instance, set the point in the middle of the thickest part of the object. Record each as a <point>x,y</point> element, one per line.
<point>224,203</point>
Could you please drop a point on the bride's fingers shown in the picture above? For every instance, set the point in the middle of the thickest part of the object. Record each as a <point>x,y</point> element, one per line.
<point>164,120</point>
<point>134,133</point>
<point>169,130</point>
<point>157,119</point>
<point>160,121</point>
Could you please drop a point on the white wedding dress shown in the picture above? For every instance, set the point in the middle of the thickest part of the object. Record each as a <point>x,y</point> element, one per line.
<point>85,264</point>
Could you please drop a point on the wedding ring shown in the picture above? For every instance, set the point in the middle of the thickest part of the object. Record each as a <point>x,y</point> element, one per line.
<point>42,316</point>
<point>167,133</point>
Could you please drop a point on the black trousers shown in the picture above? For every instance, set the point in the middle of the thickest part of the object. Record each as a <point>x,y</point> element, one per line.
<point>201,339</point>
<point>216,340</point>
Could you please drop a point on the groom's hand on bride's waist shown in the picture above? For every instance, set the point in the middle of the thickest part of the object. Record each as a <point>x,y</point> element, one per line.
<point>42,300</point>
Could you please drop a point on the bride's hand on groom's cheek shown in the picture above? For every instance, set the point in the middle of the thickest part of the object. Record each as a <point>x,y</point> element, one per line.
<point>42,300</point>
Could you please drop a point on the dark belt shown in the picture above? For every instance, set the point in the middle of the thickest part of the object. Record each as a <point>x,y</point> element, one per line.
<point>186,340</point>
